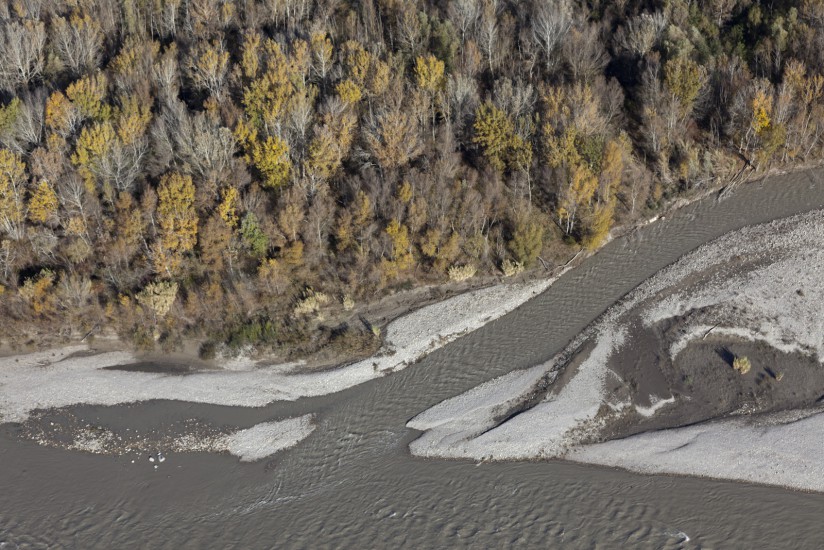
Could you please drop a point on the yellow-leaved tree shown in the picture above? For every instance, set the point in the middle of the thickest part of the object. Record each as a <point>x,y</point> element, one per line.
<point>321,48</point>
<point>266,97</point>
<point>88,95</point>
<point>684,79</point>
<point>43,203</point>
<point>38,292</point>
<point>575,195</point>
<point>61,114</point>
<point>12,189</point>
<point>271,158</point>
<point>158,297</point>
<point>494,133</point>
<point>401,256</point>
<point>209,67</point>
<point>430,78</point>
<point>429,73</point>
<point>178,222</point>
<point>601,215</point>
<point>227,209</point>
<point>94,143</point>
<point>349,92</point>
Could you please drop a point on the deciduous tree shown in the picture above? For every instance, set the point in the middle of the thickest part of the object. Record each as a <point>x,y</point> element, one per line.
<point>177,222</point>
<point>22,55</point>
<point>12,194</point>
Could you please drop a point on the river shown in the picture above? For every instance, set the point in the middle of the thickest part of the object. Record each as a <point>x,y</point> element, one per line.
<point>353,483</point>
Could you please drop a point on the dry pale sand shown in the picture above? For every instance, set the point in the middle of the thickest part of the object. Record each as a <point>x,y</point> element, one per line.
<point>250,444</point>
<point>68,376</point>
<point>771,450</point>
<point>763,283</point>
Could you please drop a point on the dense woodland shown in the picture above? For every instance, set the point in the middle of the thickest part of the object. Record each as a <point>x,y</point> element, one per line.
<point>244,171</point>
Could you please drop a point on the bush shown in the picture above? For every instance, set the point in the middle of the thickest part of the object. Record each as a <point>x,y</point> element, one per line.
<point>527,242</point>
<point>158,297</point>
<point>459,273</point>
<point>311,302</point>
<point>348,342</point>
<point>742,365</point>
<point>208,350</point>
<point>253,332</point>
<point>511,268</point>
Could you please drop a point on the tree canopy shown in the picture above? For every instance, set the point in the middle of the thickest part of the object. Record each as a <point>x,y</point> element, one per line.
<point>248,154</point>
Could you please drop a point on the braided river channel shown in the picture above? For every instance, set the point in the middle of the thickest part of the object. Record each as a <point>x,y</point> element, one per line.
<point>353,483</point>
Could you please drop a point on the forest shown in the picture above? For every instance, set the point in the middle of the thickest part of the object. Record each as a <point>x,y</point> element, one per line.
<point>248,172</point>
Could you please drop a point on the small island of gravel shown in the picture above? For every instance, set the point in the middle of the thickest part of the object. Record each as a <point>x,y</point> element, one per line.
<point>651,385</point>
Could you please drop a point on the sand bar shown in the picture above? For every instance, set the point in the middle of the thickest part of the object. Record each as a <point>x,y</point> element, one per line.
<point>63,377</point>
<point>762,284</point>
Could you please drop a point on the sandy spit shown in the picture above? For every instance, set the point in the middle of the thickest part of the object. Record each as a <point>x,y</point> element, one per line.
<point>267,438</point>
<point>58,378</point>
<point>251,444</point>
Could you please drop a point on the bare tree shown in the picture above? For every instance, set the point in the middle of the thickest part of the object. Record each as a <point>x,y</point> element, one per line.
<point>488,32</point>
<point>641,33</point>
<point>585,53</point>
<point>551,22</point>
<point>166,76</point>
<point>21,53</point>
<point>28,9</point>
<point>514,98</point>
<point>298,122</point>
<point>464,15</point>
<point>462,97</point>
<point>208,67</point>
<point>123,164</point>
<point>78,43</point>
<point>194,140</point>
<point>285,12</point>
<point>721,10</point>
<point>27,128</point>
<point>75,291</point>
<point>165,17</point>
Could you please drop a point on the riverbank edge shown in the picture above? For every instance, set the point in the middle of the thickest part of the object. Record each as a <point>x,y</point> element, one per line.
<point>103,339</point>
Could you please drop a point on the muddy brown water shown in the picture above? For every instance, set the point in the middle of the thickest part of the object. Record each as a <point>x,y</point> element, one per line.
<point>353,484</point>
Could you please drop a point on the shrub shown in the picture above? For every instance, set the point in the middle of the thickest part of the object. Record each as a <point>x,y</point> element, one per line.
<point>311,302</point>
<point>511,267</point>
<point>349,342</point>
<point>253,236</point>
<point>208,350</point>
<point>461,272</point>
<point>742,365</point>
<point>158,297</point>
<point>526,242</point>
<point>252,332</point>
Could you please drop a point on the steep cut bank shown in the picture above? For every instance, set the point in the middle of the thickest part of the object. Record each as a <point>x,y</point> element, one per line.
<point>663,358</point>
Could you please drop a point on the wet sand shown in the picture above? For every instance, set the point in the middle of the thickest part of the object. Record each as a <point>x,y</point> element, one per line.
<point>352,482</point>
<point>663,357</point>
<point>706,387</point>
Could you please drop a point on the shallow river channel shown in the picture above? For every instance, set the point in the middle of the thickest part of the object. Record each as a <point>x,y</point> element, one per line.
<point>353,483</point>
